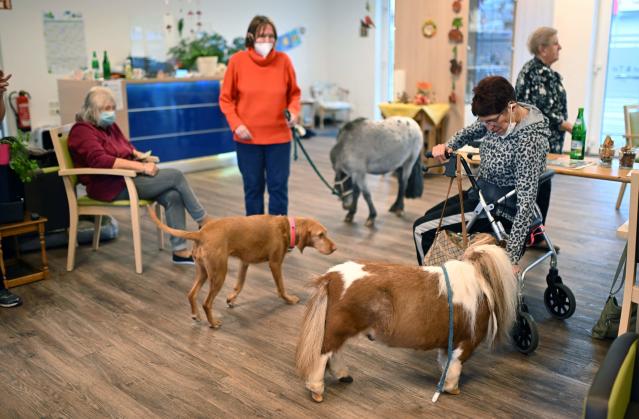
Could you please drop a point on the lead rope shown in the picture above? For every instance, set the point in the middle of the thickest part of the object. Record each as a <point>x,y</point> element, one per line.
<point>297,141</point>
<point>442,380</point>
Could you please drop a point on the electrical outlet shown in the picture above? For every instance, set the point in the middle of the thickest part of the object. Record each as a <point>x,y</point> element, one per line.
<point>54,108</point>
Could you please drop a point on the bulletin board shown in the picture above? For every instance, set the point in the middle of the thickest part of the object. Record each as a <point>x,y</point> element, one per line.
<point>65,42</point>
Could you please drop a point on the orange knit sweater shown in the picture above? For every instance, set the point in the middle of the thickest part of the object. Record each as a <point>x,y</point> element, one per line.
<point>255,93</point>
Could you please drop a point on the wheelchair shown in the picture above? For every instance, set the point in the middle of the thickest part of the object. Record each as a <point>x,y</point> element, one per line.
<point>558,298</point>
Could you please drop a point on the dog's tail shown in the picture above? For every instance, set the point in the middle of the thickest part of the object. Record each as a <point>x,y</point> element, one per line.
<point>189,235</point>
<point>494,266</point>
<point>309,346</point>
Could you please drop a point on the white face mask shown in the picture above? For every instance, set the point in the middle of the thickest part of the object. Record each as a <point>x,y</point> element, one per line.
<point>263,48</point>
<point>511,124</point>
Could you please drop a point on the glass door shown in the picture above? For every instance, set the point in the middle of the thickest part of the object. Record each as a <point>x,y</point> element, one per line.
<point>490,40</point>
<point>622,75</point>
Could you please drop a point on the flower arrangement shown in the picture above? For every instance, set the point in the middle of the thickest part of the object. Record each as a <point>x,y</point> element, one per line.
<point>425,94</point>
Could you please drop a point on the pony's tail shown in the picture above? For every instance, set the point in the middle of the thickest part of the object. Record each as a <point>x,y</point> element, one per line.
<point>493,264</point>
<point>309,346</point>
<point>190,235</point>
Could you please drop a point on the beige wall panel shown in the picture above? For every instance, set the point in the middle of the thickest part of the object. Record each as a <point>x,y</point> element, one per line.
<point>428,59</point>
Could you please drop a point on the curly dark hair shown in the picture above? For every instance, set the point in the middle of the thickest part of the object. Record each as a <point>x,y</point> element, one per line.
<point>257,23</point>
<point>491,96</point>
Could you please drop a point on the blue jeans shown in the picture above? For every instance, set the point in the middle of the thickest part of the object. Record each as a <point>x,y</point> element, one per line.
<point>265,166</point>
<point>171,190</point>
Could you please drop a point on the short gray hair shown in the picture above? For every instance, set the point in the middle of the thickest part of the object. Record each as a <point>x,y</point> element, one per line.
<point>540,38</point>
<point>97,98</point>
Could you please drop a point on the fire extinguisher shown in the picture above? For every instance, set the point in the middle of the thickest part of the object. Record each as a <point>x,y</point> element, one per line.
<point>21,109</point>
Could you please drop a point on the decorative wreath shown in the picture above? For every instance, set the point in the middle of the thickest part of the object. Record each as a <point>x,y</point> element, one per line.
<point>429,29</point>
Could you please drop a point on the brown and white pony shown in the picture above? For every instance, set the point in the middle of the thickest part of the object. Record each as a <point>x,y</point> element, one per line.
<point>407,306</point>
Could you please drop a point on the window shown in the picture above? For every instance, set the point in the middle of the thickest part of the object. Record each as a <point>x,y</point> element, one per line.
<point>622,76</point>
<point>490,39</point>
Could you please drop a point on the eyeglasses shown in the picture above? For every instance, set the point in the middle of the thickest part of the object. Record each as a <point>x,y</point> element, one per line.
<point>492,122</point>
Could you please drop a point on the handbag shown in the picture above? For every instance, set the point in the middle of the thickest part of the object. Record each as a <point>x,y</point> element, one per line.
<point>447,244</point>
<point>607,326</point>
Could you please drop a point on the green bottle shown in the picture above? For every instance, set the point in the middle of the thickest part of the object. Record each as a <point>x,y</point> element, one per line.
<point>106,67</point>
<point>578,143</point>
<point>95,66</point>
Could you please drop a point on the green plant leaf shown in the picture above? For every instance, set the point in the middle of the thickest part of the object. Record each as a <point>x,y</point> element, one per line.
<point>19,160</point>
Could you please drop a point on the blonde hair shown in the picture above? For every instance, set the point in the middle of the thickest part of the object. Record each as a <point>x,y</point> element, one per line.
<point>541,37</point>
<point>97,98</point>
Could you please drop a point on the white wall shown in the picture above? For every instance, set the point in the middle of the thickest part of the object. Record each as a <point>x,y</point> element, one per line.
<point>351,58</point>
<point>108,27</point>
<point>575,21</point>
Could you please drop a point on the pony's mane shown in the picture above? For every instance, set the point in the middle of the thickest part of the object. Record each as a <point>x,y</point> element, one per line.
<point>499,284</point>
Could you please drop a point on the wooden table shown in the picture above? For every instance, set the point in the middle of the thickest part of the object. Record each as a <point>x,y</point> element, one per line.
<point>15,230</point>
<point>593,171</point>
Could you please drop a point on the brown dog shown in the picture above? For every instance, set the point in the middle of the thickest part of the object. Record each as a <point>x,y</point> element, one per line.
<point>254,239</point>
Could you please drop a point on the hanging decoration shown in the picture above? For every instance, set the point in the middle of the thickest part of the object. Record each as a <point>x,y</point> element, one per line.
<point>455,64</point>
<point>366,22</point>
<point>455,36</point>
<point>429,28</point>
<point>180,26</point>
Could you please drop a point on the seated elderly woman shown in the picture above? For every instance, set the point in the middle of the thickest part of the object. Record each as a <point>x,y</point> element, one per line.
<point>513,155</point>
<point>96,141</point>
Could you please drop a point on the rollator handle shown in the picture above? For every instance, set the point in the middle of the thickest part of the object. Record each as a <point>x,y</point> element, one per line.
<point>429,154</point>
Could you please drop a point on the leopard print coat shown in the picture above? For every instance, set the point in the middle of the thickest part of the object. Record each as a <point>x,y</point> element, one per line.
<point>541,86</point>
<point>518,160</point>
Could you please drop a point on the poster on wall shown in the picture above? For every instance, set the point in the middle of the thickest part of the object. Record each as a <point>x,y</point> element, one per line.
<point>290,39</point>
<point>65,42</point>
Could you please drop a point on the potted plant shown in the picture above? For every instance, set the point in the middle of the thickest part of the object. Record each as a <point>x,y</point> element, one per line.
<point>186,52</point>
<point>18,155</point>
<point>16,168</point>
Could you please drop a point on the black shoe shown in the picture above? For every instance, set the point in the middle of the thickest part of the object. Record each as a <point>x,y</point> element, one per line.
<point>181,260</point>
<point>9,300</point>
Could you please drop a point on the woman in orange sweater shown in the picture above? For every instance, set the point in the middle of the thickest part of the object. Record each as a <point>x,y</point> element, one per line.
<point>259,85</point>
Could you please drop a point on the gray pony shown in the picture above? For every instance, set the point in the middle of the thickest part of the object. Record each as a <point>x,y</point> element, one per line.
<point>376,147</point>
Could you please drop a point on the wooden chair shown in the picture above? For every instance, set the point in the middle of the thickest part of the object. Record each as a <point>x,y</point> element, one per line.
<point>631,120</point>
<point>83,205</point>
<point>329,97</point>
<point>631,289</point>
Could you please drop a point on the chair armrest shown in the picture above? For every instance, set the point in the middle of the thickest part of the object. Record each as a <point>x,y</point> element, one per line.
<point>93,171</point>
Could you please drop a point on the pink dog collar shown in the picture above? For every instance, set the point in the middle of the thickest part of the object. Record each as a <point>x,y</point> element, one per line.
<point>291,222</point>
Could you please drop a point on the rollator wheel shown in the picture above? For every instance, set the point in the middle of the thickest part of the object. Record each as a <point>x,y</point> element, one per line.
<point>525,333</point>
<point>560,301</point>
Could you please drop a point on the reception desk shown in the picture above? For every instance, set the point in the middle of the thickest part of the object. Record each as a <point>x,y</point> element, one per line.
<point>176,119</point>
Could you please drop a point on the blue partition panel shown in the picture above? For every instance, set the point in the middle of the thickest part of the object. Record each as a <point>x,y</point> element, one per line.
<point>178,120</point>
<point>189,146</point>
<point>175,93</point>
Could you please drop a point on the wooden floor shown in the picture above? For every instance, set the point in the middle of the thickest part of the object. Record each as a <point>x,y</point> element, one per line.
<point>102,341</point>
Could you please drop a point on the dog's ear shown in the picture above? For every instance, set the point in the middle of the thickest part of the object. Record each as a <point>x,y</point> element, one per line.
<point>303,233</point>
